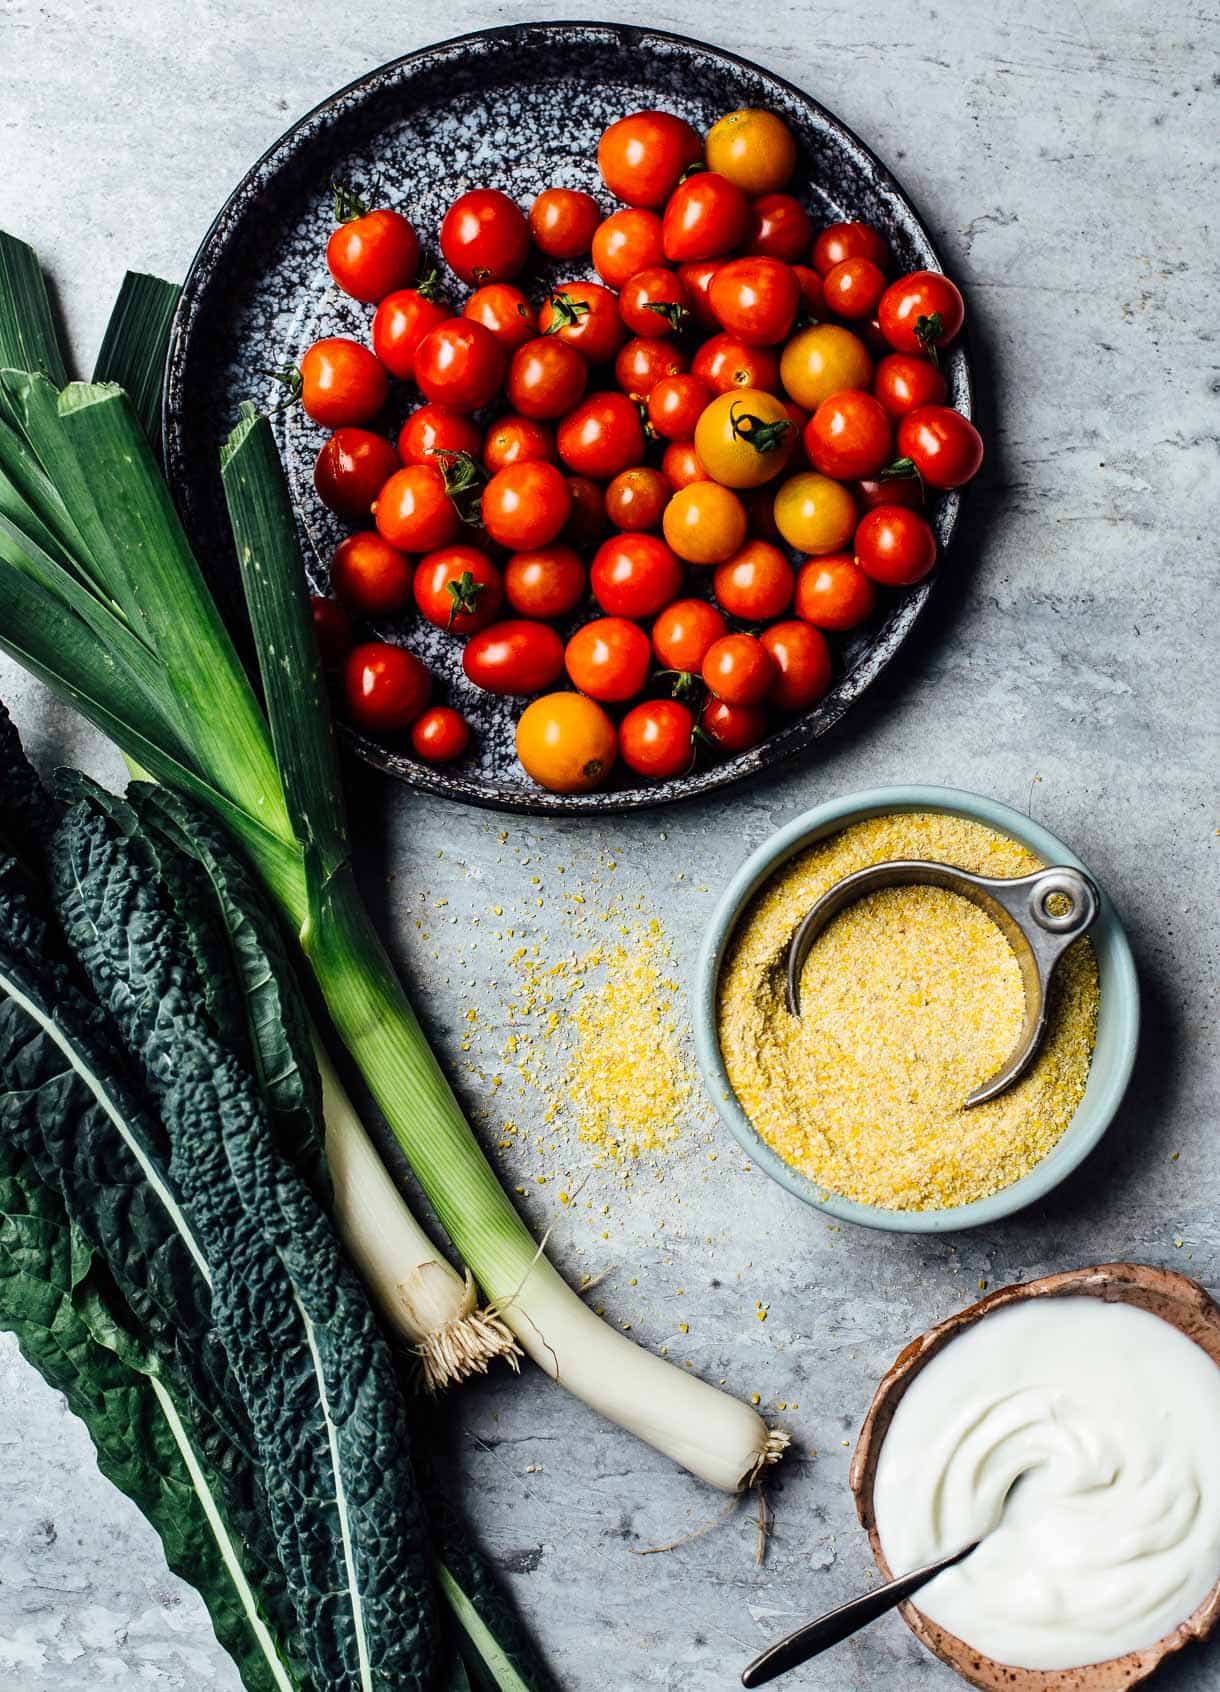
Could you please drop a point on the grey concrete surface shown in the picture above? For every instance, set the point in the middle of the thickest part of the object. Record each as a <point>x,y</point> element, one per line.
<point>1066,154</point>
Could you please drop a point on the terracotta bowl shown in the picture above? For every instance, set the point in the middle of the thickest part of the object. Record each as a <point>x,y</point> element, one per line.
<point>1181,1302</point>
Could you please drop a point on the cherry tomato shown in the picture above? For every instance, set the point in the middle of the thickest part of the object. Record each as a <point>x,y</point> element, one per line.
<point>627,241</point>
<point>755,149</point>
<point>562,221</point>
<point>833,592</point>
<point>608,659</point>
<point>812,296</point>
<point>636,498</point>
<point>849,436</point>
<point>680,465</point>
<point>370,576</point>
<point>545,581</point>
<point>869,331</point>
<point>459,364</point>
<point>738,669</point>
<point>642,156</point>
<point>853,288</point>
<point>889,490</point>
<point>760,506</point>
<point>586,316</point>
<point>386,687</point>
<point>332,629</point>
<point>945,447</point>
<point>755,299</point>
<point>745,438</point>
<point>676,404</point>
<point>351,470</point>
<point>707,215</point>
<point>697,276</point>
<point>414,512</point>
<point>655,302</point>
<point>587,522</point>
<point>634,575</point>
<point>458,588</point>
<point>705,523</point>
<point>643,363</point>
<point>683,632</point>
<point>545,378</point>
<point>780,228</point>
<point>400,323</point>
<point>755,584</point>
<point>440,735</point>
<point>848,241</point>
<point>433,429</point>
<point>372,254</point>
<point>823,360</point>
<point>657,739</point>
<point>526,504</point>
<point>514,440</point>
<point>566,743</point>
<point>921,312</point>
<point>515,657</point>
<point>734,728</point>
<point>341,383</point>
<point>802,664</point>
<point>601,436</point>
<point>504,311</point>
<point>903,382</point>
<point>725,362</point>
<point>484,237</point>
<point>815,514</point>
<point>895,546</point>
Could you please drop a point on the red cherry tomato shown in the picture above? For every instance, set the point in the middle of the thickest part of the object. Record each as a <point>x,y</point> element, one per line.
<point>780,228</point>
<point>944,446</point>
<point>889,490</point>
<point>484,237</point>
<point>458,588</point>
<point>755,299</point>
<point>643,363</point>
<point>734,728</point>
<point>627,241</point>
<point>921,312</point>
<point>546,378</point>
<point>655,302</point>
<point>761,506</point>
<point>587,523</point>
<point>372,254</point>
<point>526,504</point>
<point>726,362</point>
<point>657,739</point>
<point>801,659</point>
<point>414,511</point>
<point>903,382</point>
<point>683,633</point>
<point>351,470</point>
<point>738,669</point>
<point>515,657</point>
<point>504,311</point>
<point>697,275</point>
<point>341,383</point>
<point>440,735</point>
<point>585,315</point>
<point>601,436</point>
<point>812,295</point>
<point>434,429</point>
<point>459,364</point>
<point>562,221</point>
<point>833,592</point>
<point>608,659</point>
<point>849,436</point>
<point>514,440</point>
<point>386,687</point>
<point>400,323</point>
<point>853,288</point>
<point>635,575</point>
<point>642,156</point>
<point>545,581</point>
<point>680,465</point>
<point>636,498</point>
<point>755,584</point>
<point>675,405</point>
<point>706,216</point>
<point>848,241</point>
<point>332,629</point>
<point>370,576</point>
<point>894,545</point>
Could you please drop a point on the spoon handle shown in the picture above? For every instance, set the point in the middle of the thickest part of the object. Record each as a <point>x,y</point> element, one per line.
<point>817,1636</point>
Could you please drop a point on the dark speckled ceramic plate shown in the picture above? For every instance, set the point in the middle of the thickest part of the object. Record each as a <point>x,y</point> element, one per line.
<point>517,108</point>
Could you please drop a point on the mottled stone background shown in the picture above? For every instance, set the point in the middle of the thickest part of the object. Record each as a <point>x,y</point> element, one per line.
<point>1065,155</point>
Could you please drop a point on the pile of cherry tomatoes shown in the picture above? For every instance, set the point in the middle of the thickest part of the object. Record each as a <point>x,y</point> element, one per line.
<point>696,465</point>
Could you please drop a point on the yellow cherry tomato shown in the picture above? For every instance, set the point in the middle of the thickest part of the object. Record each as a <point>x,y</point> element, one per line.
<point>754,149</point>
<point>705,523</point>
<point>815,514</point>
<point>566,742</point>
<point>823,360</point>
<point>744,438</point>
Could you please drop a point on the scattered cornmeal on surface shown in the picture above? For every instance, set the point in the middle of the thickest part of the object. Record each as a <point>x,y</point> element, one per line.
<point>910,999</point>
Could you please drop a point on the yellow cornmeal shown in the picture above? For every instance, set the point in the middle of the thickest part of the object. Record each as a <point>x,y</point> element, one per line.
<point>910,999</point>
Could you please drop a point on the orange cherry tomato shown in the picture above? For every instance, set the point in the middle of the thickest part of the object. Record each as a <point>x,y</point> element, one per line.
<point>526,504</point>
<point>504,312</point>
<point>566,743</point>
<point>904,381</point>
<point>683,632</point>
<point>332,629</point>
<point>484,237</point>
<point>414,512</point>
<point>440,735</point>
<point>433,429</point>
<point>372,254</point>
<point>727,362</point>
<point>400,323</point>
<point>544,581</point>
<point>705,523</point>
<point>655,302</point>
<point>601,436</point>
<point>780,228</point>
<point>823,360</point>
<point>843,241</point>
<point>680,465</point>
<point>586,316</point>
<point>642,156</point>
<point>756,584</point>
<point>351,470</point>
<point>755,299</point>
<point>895,546</point>
<point>545,378</point>
<point>745,437</point>
<point>370,576</point>
<point>458,588</point>
<point>562,221</point>
<point>738,669</point>
<point>802,664</point>
<point>514,657</point>
<point>626,242</point>
<point>636,498</point>
<point>833,593</point>
<point>386,687</point>
<point>634,575</point>
<point>675,405</point>
<point>657,739</point>
<point>753,148</point>
<point>705,217</point>
<point>814,513</point>
<point>733,728</point>
<point>643,363</point>
<point>921,312</point>
<point>853,288</point>
<point>849,436</point>
<point>341,383</point>
<point>514,440</point>
<point>608,659</point>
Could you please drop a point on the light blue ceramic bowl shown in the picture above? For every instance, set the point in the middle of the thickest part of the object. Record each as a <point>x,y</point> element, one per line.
<point>1117,1025</point>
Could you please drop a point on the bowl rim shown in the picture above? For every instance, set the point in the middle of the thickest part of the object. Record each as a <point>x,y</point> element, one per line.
<point>1175,1298</point>
<point>1120,986</point>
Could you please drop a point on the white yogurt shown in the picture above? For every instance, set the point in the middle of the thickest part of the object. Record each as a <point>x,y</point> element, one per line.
<point>1112,1419</point>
